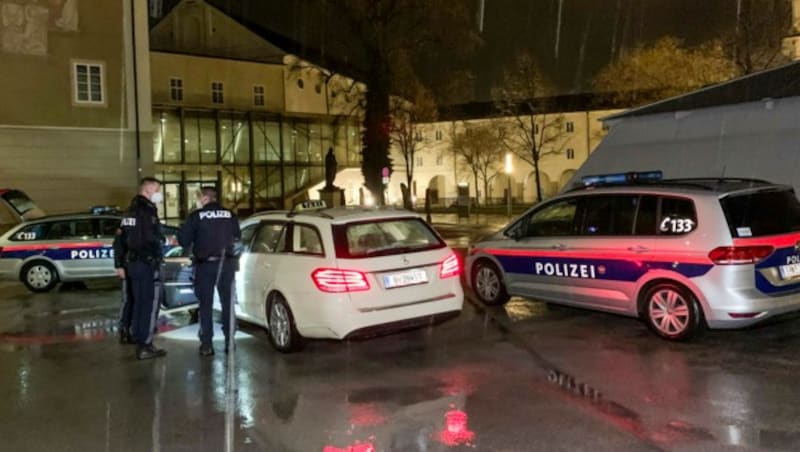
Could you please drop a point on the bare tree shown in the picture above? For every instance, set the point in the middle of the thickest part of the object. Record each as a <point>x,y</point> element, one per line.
<point>756,41</point>
<point>528,127</point>
<point>480,150</point>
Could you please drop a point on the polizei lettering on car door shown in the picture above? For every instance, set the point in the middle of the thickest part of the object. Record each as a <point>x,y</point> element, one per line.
<point>566,270</point>
<point>102,253</point>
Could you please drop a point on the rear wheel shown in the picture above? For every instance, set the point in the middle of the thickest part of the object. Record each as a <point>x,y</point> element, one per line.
<point>488,284</point>
<point>39,276</point>
<point>671,311</point>
<point>282,329</point>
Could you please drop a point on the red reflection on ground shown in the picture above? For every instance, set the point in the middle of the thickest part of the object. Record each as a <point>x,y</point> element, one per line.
<point>357,447</point>
<point>365,415</point>
<point>456,432</point>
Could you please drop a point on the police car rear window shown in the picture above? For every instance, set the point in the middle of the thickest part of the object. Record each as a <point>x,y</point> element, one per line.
<point>384,238</point>
<point>762,213</point>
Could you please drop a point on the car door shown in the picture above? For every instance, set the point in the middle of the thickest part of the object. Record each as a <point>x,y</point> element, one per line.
<point>73,244</point>
<point>261,267</point>
<point>530,257</point>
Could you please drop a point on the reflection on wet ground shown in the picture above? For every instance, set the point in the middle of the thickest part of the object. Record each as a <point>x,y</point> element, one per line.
<point>527,376</point>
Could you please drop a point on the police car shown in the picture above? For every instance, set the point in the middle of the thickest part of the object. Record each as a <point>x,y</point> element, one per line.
<point>65,248</point>
<point>331,273</point>
<point>678,254</point>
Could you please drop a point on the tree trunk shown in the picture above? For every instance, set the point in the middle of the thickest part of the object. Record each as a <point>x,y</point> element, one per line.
<point>407,202</point>
<point>486,190</point>
<point>375,154</point>
<point>538,177</point>
<point>477,195</point>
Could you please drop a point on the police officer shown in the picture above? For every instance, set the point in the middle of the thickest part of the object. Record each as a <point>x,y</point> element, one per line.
<point>138,252</point>
<point>211,232</point>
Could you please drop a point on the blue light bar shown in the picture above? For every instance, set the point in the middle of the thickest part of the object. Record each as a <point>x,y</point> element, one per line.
<point>622,178</point>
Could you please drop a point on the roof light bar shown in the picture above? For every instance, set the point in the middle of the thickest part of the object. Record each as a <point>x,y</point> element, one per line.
<point>622,178</point>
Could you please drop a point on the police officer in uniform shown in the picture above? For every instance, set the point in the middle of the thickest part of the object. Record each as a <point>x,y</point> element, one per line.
<point>138,252</point>
<point>211,232</point>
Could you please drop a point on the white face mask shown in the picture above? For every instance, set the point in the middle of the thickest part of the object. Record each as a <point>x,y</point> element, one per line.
<point>199,204</point>
<point>157,197</point>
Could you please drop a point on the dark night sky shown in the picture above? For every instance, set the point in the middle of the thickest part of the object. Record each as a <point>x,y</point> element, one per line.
<point>591,31</point>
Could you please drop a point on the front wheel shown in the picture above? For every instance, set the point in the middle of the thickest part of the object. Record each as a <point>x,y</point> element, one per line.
<point>282,329</point>
<point>672,312</point>
<point>488,284</point>
<point>39,276</point>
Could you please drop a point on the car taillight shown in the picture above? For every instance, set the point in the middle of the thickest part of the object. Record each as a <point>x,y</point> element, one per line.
<point>737,255</point>
<point>334,280</point>
<point>450,267</point>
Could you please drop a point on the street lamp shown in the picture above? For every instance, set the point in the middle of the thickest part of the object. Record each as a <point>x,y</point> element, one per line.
<point>509,169</point>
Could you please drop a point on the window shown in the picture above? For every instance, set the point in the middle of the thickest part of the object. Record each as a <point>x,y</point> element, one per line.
<point>77,229</point>
<point>89,83</point>
<point>762,213</point>
<point>418,161</point>
<point>176,89</point>
<point>307,240</point>
<point>32,232</point>
<point>258,95</point>
<point>300,83</point>
<point>555,219</point>
<point>647,216</point>
<point>570,154</point>
<point>677,216</point>
<point>439,160</point>
<point>609,215</point>
<point>570,126</point>
<point>439,135</point>
<point>268,237</point>
<point>108,227</point>
<point>384,238</point>
<point>217,93</point>
<point>247,237</point>
<point>419,136</point>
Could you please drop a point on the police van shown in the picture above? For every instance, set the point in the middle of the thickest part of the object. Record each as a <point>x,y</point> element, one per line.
<point>680,254</point>
<point>78,247</point>
<point>318,272</point>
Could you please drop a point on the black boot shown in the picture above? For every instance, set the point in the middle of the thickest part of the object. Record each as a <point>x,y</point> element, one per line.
<point>149,351</point>
<point>206,350</point>
<point>125,337</point>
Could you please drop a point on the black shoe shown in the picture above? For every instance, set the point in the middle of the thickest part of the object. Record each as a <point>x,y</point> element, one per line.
<point>206,350</point>
<point>125,338</point>
<point>149,352</point>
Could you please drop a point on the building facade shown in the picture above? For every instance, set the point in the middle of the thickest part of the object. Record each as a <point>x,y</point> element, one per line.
<point>75,127</point>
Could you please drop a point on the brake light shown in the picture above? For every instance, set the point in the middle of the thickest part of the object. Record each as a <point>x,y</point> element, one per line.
<point>334,280</point>
<point>738,255</point>
<point>450,267</point>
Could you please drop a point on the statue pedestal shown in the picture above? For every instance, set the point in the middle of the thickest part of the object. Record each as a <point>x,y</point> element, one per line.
<point>333,196</point>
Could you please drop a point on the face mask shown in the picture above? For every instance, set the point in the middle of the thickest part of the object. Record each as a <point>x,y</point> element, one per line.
<point>199,204</point>
<point>157,197</point>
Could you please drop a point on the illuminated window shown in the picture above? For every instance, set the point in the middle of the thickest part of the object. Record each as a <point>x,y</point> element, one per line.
<point>176,89</point>
<point>570,126</point>
<point>217,93</point>
<point>258,95</point>
<point>88,83</point>
<point>570,154</point>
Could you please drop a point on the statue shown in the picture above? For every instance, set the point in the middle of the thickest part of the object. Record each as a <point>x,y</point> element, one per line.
<point>330,169</point>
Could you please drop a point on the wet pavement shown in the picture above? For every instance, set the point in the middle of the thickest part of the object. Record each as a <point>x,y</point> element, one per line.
<point>524,377</point>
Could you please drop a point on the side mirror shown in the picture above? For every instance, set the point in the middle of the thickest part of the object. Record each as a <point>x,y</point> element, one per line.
<point>515,233</point>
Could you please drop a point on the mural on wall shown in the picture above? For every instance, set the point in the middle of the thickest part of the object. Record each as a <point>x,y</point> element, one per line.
<point>25,24</point>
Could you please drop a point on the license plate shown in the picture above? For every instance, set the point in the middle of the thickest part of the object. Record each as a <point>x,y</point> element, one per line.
<point>790,271</point>
<point>408,278</point>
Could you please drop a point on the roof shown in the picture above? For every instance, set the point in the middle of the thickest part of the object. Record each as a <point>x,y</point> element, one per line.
<point>709,186</point>
<point>783,81</point>
<point>552,104</point>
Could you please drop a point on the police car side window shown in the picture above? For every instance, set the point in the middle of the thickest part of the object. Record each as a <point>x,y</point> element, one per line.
<point>30,233</point>
<point>556,219</point>
<point>610,215</point>
<point>75,229</point>
<point>108,227</point>
<point>677,216</point>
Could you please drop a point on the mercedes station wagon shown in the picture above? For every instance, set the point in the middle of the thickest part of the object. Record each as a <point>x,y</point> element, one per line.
<point>681,255</point>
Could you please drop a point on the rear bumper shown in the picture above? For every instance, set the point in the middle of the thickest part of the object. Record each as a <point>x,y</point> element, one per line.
<point>339,319</point>
<point>722,305</point>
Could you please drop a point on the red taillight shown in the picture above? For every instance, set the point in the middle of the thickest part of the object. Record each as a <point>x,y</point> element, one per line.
<point>450,267</point>
<point>737,255</point>
<point>334,280</point>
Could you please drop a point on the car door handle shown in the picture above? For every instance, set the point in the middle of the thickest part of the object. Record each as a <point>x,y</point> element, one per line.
<point>559,246</point>
<point>638,249</point>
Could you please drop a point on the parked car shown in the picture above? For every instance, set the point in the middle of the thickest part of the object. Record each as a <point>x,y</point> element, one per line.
<point>334,273</point>
<point>681,255</point>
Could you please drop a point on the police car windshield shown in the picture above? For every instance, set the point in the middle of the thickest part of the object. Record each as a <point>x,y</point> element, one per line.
<point>762,213</point>
<point>386,237</point>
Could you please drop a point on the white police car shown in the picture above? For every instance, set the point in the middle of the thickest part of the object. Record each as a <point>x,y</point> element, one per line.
<point>66,248</point>
<point>679,254</point>
<point>334,273</point>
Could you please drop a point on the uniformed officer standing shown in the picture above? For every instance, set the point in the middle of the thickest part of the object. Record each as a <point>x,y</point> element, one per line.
<point>212,231</point>
<point>138,252</point>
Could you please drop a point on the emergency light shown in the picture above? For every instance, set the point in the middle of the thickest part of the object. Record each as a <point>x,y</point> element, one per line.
<point>622,178</point>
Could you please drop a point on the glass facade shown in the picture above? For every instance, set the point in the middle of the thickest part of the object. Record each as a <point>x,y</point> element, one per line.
<point>255,159</point>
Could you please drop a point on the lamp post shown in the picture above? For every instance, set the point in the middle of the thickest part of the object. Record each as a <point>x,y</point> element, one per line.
<point>509,169</point>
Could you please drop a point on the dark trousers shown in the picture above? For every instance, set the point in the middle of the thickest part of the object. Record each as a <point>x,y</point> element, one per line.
<point>205,279</point>
<point>142,277</point>
<point>126,310</point>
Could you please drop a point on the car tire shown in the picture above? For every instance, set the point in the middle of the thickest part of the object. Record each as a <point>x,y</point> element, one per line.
<point>39,276</point>
<point>281,328</point>
<point>671,311</point>
<point>487,283</point>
